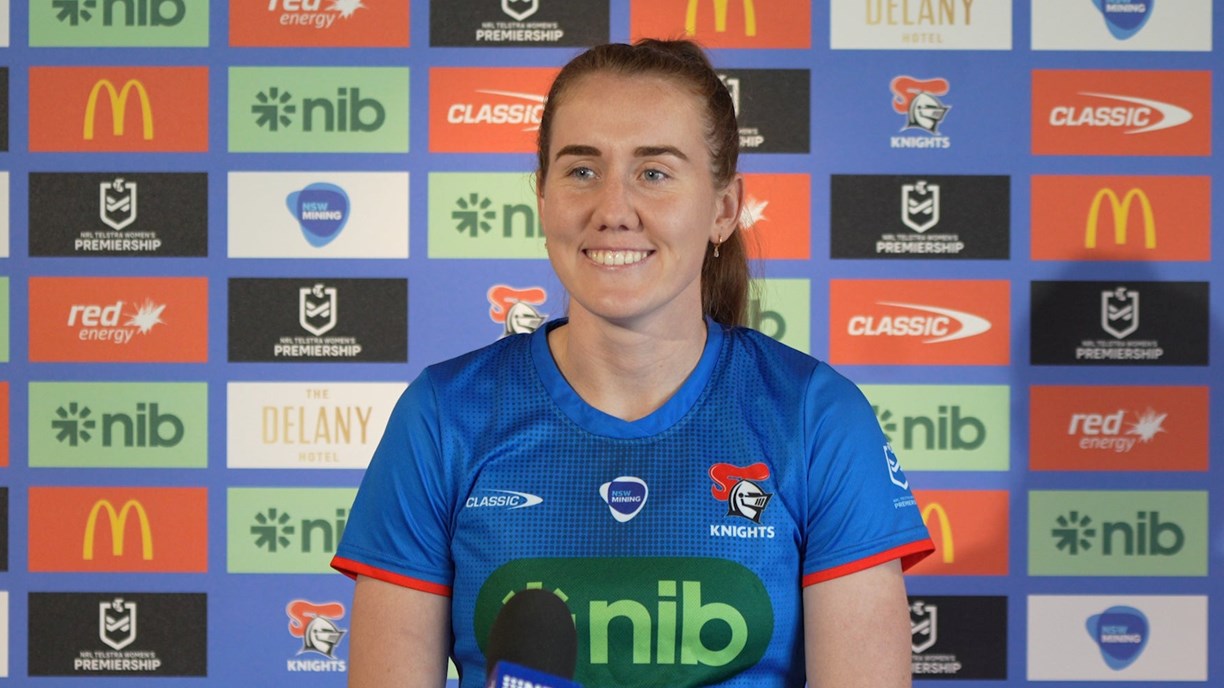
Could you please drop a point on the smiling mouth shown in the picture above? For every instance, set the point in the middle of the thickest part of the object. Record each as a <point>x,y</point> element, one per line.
<point>616,258</point>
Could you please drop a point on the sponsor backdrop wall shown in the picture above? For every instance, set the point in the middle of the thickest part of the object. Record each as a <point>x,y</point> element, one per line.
<point>233,230</point>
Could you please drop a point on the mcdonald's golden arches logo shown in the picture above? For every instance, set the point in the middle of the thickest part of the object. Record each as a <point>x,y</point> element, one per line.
<point>1121,217</point>
<point>720,16</point>
<point>118,102</point>
<point>944,543</point>
<point>969,529</point>
<point>118,526</point>
<point>725,23</point>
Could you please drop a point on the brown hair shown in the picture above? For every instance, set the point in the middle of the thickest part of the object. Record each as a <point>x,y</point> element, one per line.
<point>724,280</point>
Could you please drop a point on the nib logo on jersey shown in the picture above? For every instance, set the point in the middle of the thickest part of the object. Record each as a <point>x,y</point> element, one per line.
<point>285,530</point>
<point>1121,112</point>
<point>945,427</point>
<point>517,310</point>
<point>319,23</point>
<point>518,23</point>
<point>1108,323</point>
<point>659,621</point>
<point>1135,533</point>
<point>933,216</point>
<point>483,215</point>
<point>918,100</point>
<point>958,637</point>
<point>318,109</point>
<point>316,626</point>
<point>140,23</point>
<point>1118,428</point>
<point>124,214</point>
<point>487,109</point>
<point>134,634</point>
<point>741,489</point>
<point>116,424</point>
<point>121,319</point>
<point>772,108</point>
<point>338,320</point>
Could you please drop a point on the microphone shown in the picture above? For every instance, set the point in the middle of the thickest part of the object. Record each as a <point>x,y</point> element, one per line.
<point>532,644</point>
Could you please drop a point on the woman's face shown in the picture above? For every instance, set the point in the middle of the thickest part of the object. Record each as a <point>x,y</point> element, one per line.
<point>628,204</point>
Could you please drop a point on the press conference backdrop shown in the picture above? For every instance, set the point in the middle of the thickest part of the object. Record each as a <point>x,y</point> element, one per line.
<point>234,231</point>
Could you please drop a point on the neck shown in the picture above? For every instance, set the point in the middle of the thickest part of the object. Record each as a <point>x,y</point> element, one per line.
<point>624,372</point>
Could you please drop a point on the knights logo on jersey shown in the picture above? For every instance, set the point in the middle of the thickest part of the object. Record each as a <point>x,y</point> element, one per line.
<point>739,487</point>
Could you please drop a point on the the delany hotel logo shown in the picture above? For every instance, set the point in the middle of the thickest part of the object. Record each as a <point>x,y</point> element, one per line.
<point>918,100</point>
<point>919,322</point>
<point>117,109</point>
<point>1118,428</point>
<point>319,23</point>
<point>1103,112</point>
<point>137,529</point>
<point>119,319</point>
<point>889,25</point>
<point>486,109</point>
<point>1142,218</point>
<point>725,23</point>
<point>970,531</point>
<point>776,216</point>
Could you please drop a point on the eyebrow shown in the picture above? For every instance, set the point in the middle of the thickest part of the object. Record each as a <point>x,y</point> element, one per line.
<point>640,151</point>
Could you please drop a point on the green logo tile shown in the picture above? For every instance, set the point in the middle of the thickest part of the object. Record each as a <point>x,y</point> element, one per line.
<point>483,215</point>
<point>285,530</point>
<point>106,23</point>
<point>945,427</point>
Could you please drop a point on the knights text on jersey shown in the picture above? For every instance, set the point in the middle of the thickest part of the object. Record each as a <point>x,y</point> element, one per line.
<point>680,541</point>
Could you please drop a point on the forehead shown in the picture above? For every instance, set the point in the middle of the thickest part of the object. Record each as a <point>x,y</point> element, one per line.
<point>614,106</point>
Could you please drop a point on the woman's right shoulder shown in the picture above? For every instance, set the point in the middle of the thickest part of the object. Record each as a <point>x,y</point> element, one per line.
<point>477,370</point>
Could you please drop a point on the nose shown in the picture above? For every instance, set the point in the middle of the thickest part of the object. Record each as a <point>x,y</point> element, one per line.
<point>615,207</point>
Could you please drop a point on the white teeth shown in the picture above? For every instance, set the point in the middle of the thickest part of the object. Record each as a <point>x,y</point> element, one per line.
<point>617,258</point>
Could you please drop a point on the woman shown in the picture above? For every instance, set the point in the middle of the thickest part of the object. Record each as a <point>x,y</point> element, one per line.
<point>714,508</point>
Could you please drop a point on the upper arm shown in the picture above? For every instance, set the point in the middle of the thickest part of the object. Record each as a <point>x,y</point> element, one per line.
<point>398,637</point>
<point>856,630</point>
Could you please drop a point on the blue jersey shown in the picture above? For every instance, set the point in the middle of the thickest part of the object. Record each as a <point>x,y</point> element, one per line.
<point>680,541</point>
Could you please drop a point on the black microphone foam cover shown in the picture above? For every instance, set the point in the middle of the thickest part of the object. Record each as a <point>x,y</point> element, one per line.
<point>534,629</point>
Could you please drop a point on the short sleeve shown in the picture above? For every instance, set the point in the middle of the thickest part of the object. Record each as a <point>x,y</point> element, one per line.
<point>399,527</point>
<point>860,512</point>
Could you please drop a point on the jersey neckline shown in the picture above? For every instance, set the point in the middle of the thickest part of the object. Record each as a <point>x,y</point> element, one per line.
<point>597,422</point>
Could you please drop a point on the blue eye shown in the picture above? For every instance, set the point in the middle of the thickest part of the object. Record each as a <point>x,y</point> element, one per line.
<point>655,175</point>
<point>582,173</point>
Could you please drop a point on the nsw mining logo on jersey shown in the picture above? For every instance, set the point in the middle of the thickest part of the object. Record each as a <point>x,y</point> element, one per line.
<point>741,488</point>
<point>625,497</point>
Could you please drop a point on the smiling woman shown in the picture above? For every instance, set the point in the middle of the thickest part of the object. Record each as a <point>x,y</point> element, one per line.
<point>754,520</point>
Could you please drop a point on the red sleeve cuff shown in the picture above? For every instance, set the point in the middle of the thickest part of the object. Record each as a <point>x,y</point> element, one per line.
<point>909,554</point>
<point>352,569</point>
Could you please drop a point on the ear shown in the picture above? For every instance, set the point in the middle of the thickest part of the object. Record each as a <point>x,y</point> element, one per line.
<point>727,213</point>
<point>539,193</point>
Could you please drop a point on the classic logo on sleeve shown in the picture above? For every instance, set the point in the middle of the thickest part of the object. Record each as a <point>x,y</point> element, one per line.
<point>918,100</point>
<point>319,23</point>
<point>316,625</point>
<point>725,23</point>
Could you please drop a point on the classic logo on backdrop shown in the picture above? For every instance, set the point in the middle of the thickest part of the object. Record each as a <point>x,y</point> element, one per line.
<point>119,109</point>
<point>969,529</point>
<point>782,309</point>
<point>1119,323</point>
<point>667,650</point>
<point>483,215</point>
<point>932,216</point>
<point>131,529</point>
<point>776,217</point>
<point>119,319</point>
<point>284,530</point>
<point>318,214</point>
<point>725,23</point>
<point>518,23</point>
<point>517,310</point>
<point>113,634</point>
<point>148,23</point>
<point>919,322</point>
<point>1124,533</point>
<point>920,25</point>
<point>945,427</point>
<point>1079,428</point>
<point>306,424</point>
<point>486,109</point>
<point>318,109</point>
<point>1121,218</point>
<point>118,424</point>
<point>118,214</point>
<point>1184,25</point>
<point>772,108</point>
<point>918,100</point>
<point>1137,639</point>
<point>319,23</point>
<point>958,637</point>
<point>338,320</point>
<point>317,628</point>
<point>1119,112</point>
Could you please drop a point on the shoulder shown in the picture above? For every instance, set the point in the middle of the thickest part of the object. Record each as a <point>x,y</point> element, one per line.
<point>505,356</point>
